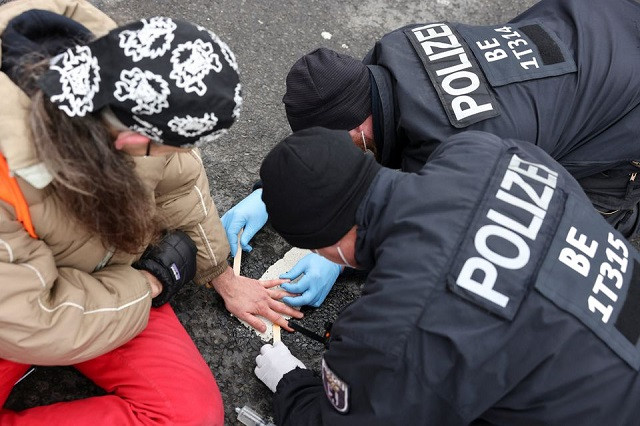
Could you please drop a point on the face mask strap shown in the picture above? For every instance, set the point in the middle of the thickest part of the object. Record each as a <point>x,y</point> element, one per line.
<point>344,259</point>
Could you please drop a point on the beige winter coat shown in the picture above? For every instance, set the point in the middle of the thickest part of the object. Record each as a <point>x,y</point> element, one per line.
<point>58,304</point>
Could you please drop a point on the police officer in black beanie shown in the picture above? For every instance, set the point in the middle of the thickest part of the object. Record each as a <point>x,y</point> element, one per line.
<point>495,294</point>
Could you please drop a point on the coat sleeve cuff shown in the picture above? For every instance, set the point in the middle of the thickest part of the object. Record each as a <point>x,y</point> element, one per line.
<point>298,399</point>
<point>204,278</point>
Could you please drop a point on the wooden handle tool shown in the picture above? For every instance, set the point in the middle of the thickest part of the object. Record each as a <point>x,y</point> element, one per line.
<point>237,259</point>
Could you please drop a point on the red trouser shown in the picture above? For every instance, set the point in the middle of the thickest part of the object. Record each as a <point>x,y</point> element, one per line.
<point>159,377</point>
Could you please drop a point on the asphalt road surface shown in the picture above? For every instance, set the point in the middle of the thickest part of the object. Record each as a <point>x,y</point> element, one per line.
<point>267,37</point>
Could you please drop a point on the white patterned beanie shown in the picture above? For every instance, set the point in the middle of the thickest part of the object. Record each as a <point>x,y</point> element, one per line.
<point>170,80</point>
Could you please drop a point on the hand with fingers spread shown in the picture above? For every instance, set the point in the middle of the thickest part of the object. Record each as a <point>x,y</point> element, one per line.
<point>319,276</point>
<point>245,298</point>
<point>250,214</point>
<point>274,362</point>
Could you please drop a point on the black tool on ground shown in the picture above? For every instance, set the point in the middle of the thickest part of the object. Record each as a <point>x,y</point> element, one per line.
<point>324,339</point>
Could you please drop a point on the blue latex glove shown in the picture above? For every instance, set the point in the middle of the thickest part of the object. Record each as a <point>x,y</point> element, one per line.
<point>319,276</point>
<point>250,214</point>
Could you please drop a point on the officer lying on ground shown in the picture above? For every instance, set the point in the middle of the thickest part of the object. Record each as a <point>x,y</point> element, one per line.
<point>560,75</point>
<point>495,292</point>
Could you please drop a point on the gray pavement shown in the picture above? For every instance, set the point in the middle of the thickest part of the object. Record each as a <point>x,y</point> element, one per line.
<point>267,37</point>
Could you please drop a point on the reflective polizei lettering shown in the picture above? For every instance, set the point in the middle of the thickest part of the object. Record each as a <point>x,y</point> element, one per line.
<point>479,274</point>
<point>460,81</point>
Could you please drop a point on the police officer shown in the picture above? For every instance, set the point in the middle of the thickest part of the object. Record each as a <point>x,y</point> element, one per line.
<point>562,75</point>
<point>495,295</point>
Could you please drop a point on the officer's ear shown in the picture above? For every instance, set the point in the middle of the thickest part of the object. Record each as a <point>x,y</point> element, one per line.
<point>362,135</point>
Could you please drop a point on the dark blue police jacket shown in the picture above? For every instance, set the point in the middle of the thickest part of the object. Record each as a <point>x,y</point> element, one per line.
<point>496,295</point>
<point>563,75</point>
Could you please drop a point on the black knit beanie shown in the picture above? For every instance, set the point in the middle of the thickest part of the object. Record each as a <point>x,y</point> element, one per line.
<point>328,89</point>
<point>313,182</point>
<point>39,33</point>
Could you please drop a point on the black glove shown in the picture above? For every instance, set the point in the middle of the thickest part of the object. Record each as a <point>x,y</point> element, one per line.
<point>172,261</point>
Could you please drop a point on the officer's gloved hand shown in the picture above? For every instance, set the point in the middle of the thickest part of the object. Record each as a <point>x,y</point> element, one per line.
<point>319,276</point>
<point>250,214</point>
<point>274,362</point>
<point>172,261</point>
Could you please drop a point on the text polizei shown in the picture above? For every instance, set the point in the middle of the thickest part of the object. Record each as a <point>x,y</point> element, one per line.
<point>479,274</point>
<point>454,73</point>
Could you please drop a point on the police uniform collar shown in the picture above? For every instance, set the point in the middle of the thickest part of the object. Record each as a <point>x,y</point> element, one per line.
<point>382,107</point>
<point>371,207</point>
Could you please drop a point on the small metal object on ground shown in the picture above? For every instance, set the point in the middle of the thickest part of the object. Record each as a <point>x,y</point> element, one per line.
<point>247,416</point>
<point>31,370</point>
<point>324,339</point>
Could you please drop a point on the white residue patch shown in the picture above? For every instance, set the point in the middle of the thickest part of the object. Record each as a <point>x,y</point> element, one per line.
<point>283,265</point>
<point>326,35</point>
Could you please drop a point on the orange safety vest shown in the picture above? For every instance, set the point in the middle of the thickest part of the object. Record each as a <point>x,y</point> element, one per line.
<point>11,193</point>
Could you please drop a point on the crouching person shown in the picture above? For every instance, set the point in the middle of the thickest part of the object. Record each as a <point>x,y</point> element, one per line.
<point>496,294</point>
<point>97,163</point>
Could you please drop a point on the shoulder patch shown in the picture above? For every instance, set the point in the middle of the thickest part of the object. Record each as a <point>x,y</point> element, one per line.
<point>517,51</point>
<point>593,273</point>
<point>454,72</point>
<point>335,388</point>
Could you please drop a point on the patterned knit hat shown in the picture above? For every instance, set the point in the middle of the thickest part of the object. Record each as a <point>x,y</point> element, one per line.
<point>170,80</point>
